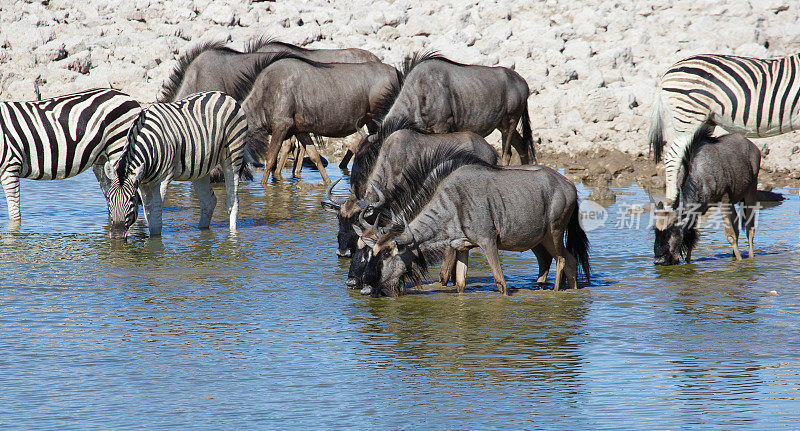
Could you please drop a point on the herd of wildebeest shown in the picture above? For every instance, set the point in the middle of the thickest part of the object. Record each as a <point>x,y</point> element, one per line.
<point>425,186</point>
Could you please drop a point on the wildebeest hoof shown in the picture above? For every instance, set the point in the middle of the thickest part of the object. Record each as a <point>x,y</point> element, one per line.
<point>366,290</point>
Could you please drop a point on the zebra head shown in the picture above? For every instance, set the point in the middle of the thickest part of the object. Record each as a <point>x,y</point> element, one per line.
<point>123,198</point>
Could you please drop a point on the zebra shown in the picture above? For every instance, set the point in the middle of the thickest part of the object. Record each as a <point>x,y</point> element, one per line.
<point>751,96</point>
<point>181,141</point>
<point>58,138</point>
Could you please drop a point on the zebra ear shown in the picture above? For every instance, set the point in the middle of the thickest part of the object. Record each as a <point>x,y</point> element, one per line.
<point>109,169</point>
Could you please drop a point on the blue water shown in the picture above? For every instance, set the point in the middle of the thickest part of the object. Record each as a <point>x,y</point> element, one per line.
<point>257,330</point>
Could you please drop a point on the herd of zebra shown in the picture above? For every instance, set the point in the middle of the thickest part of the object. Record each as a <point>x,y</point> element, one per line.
<point>425,185</point>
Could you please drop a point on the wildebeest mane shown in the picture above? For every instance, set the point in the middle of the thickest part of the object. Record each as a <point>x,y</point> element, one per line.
<point>422,178</point>
<point>385,102</point>
<point>170,87</point>
<point>367,153</point>
<point>414,60</point>
<point>689,187</point>
<point>253,45</point>
<point>243,84</point>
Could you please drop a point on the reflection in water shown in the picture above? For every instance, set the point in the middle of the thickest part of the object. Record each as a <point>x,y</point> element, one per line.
<point>256,328</point>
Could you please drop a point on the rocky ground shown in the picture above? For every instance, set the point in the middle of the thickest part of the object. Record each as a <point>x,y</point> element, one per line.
<point>592,65</point>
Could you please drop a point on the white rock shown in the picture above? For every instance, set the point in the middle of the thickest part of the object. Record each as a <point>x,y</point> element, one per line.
<point>577,48</point>
<point>220,14</point>
<point>752,50</point>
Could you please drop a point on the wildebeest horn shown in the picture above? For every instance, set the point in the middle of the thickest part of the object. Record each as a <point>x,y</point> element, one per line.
<point>358,129</point>
<point>407,237</point>
<point>329,196</point>
<point>367,204</point>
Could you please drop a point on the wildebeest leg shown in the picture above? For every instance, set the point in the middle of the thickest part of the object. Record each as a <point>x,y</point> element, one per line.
<point>286,148</point>
<point>277,138</point>
<point>346,159</point>
<point>493,258</point>
<point>153,207</point>
<point>462,260</point>
<point>308,144</point>
<point>231,192</point>
<point>748,211</point>
<point>10,179</point>
<point>298,160</point>
<point>545,260</point>
<point>566,264</point>
<point>448,266</point>
<point>100,173</point>
<point>731,221</point>
<point>207,200</point>
<point>519,145</point>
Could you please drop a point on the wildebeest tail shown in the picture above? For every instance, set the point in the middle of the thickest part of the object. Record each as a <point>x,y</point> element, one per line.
<point>527,134</point>
<point>656,134</point>
<point>578,243</point>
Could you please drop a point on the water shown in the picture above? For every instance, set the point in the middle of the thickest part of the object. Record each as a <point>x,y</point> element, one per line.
<point>209,330</point>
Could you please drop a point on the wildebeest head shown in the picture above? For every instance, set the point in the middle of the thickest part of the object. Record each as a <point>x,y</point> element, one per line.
<point>395,258</point>
<point>123,198</point>
<point>675,234</point>
<point>363,252</point>
<point>347,212</point>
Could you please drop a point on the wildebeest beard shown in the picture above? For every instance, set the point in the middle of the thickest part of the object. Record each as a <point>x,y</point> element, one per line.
<point>415,259</point>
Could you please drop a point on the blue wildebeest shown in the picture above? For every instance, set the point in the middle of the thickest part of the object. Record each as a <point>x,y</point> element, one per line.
<point>442,96</point>
<point>481,205</point>
<point>180,141</point>
<point>61,137</point>
<point>296,96</point>
<point>721,170</point>
<point>427,161</point>
<point>213,66</point>
<point>381,159</point>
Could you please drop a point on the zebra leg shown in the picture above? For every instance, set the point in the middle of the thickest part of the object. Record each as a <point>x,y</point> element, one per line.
<point>163,188</point>
<point>10,180</point>
<point>231,192</point>
<point>153,207</point>
<point>313,155</point>
<point>205,195</point>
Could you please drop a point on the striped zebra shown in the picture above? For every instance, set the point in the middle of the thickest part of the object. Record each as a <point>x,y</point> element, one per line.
<point>751,96</point>
<point>61,137</point>
<point>181,141</point>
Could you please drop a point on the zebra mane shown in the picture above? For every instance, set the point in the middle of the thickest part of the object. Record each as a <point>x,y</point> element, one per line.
<point>133,132</point>
<point>170,87</point>
<point>367,153</point>
<point>688,186</point>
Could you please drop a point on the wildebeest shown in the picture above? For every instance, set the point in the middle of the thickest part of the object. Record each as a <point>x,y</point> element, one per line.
<point>381,159</point>
<point>213,66</point>
<point>178,141</point>
<point>442,96</point>
<point>481,205</point>
<point>428,157</point>
<point>720,170</point>
<point>297,96</point>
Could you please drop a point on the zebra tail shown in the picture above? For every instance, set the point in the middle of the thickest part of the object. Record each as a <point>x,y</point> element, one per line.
<point>656,135</point>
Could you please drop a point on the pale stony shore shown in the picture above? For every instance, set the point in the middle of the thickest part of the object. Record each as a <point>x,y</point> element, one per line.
<point>592,66</point>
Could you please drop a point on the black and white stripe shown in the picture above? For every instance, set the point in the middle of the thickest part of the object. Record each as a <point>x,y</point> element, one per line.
<point>182,141</point>
<point>751,96</point>
<point>61,137</point>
